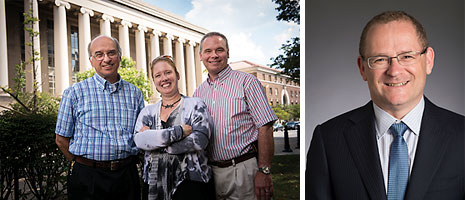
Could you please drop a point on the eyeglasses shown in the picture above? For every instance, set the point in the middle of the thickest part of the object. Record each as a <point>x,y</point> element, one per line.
<point>404,59</point>
<point>101,55</point>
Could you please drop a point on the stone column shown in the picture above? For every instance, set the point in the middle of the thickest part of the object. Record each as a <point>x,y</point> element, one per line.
<point>154,44</point>
<point>3,47</point>
<point>141,62</point>
<point>167,47</point>
<point>62,76</point>
<point>124,37</point>
<point>105,26</point>
<point>84,38</point>
<point>191,82</point>
<point>200,69</point>
<point>179,61</point>
<point>155,52</point>
<point>29,51</point>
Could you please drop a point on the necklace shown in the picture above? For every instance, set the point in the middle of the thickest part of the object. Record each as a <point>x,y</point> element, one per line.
<point>170,105</point>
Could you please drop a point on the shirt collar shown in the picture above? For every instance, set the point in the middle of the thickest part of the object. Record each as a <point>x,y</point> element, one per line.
<point>103,84</point>
<point>384,120</point>
<point>221,76</point>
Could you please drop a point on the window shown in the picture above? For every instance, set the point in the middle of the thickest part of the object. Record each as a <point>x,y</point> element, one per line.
<point>271,91</point>
<point>276,91</point>
<point>74,52</point>
<point>50,57</point>
<point>264,77</point>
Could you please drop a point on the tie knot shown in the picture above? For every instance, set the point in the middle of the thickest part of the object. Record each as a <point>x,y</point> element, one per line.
<point>398,128</point>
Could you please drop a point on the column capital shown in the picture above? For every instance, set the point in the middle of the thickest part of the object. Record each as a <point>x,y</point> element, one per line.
<point>87,11</point>
<point>126,23</point>
<point>181,40</point>
<point>62,3</point>
<point>156,33</point>
<point>169,36</point>
<point>142,28</point>
<point>108,18</point>
<point>192,43</point>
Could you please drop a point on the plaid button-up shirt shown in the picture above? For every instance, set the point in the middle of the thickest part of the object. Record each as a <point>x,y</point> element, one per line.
<point>238,105</point>
<point>99,117</point>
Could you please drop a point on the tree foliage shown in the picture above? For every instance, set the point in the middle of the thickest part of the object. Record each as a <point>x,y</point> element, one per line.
<point>287,112</point>
<point>27,142</point>
<point>128,73</point>
<point>289,61</point>
<point>289,10</point>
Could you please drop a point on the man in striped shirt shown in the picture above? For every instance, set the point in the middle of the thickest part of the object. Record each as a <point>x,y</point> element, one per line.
<point>242,116</point>
<point>95,127</point>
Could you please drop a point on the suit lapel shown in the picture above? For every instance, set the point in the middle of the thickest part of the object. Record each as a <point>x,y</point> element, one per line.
<point>431,147</point>
<point>361,140</point>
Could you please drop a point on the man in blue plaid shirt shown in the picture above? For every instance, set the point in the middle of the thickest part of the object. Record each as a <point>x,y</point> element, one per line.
<point>95,129</point>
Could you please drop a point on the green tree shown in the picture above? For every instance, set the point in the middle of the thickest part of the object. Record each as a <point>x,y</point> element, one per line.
<point>294,110</point>
<point>27,141</point>
<point>128,73</point>
<point>287,112</point>
<point>289,10</point>
<point>290,60</point>
<point>281,112</point>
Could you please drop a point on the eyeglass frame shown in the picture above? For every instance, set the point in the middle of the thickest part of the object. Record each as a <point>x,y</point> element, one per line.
<point>389,58</point>
<point>106,54</point>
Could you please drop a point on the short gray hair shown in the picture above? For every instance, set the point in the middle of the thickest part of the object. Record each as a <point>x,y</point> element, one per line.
<point>211,34</point>
<point>118,47</point>
<point>389,16</point>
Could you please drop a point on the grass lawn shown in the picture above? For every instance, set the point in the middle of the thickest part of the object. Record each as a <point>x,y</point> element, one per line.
<point>285,170</point>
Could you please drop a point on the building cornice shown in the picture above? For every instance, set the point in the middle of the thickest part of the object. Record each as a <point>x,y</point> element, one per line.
<point>162,14</point>
<point>281,84</point>
<point>145,14</point>
<point>253,68</point>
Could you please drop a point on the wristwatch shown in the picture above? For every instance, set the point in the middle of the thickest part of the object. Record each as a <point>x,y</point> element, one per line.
<point>265,170</point>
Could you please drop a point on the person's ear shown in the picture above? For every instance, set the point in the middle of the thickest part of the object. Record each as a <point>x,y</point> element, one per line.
<point>429,60</point>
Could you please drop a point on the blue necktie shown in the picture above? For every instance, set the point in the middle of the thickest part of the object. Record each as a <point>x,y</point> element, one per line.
<point>398,163</point>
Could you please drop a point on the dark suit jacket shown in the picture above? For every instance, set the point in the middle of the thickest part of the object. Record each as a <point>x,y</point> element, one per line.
<point>343,160</point>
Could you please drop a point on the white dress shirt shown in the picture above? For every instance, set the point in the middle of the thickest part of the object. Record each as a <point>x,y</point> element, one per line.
<point>383,121</point>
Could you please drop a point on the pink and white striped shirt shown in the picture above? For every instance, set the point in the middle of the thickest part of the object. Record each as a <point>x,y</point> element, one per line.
<point>238,105</point>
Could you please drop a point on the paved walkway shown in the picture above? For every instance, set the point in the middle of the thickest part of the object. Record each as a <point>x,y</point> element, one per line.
<point>279,142</point>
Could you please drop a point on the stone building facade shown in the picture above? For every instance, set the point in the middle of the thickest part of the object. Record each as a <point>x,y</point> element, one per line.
<point>279,88</point>
<point>67,26</point>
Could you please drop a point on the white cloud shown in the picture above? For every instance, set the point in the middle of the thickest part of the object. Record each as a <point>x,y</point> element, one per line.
<point>245,48</point>
<point>252,29</point>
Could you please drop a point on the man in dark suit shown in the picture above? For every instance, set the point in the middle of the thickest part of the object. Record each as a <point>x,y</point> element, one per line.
<point>399,145</point>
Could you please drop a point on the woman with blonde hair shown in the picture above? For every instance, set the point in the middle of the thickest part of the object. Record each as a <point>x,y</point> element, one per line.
<point>174,133</point>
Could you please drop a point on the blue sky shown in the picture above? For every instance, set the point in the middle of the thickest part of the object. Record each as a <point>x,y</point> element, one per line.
<point>253,32</point>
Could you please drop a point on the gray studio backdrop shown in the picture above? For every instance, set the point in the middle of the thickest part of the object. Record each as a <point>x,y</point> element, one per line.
<point>333,83</point>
